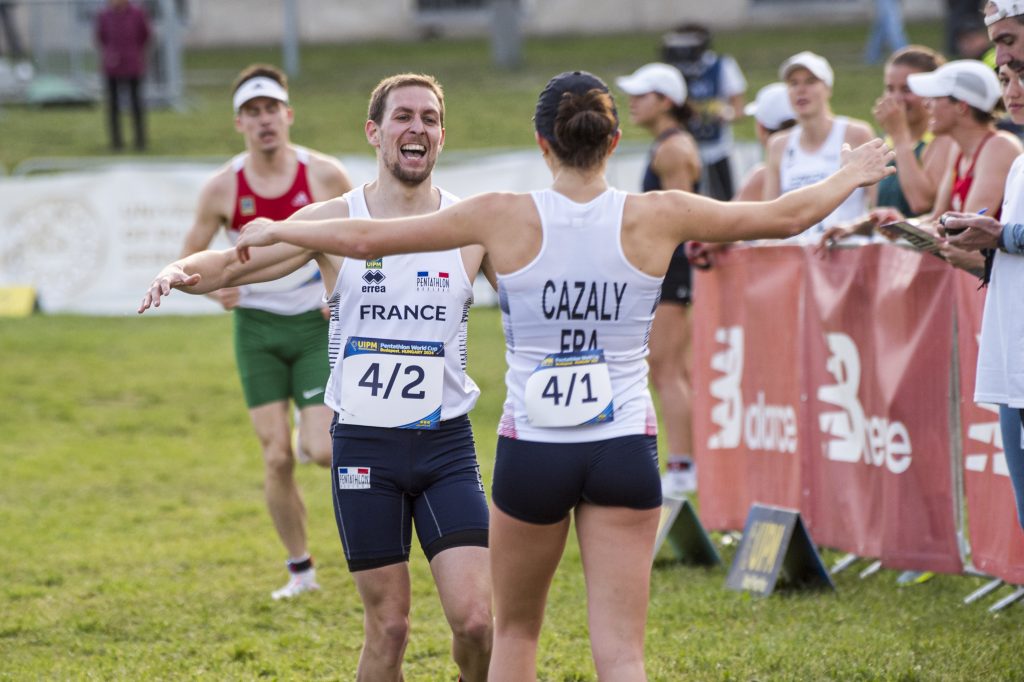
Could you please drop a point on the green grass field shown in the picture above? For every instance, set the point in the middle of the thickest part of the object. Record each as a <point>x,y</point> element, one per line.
<point>135,544</point>
<point>133,534</point>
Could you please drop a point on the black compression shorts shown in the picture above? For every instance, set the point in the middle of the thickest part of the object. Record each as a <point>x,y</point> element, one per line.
<point>542,482</point>
<point>385,481</point>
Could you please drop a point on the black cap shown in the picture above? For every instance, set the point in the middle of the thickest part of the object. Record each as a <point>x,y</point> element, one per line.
<point>576,82</point>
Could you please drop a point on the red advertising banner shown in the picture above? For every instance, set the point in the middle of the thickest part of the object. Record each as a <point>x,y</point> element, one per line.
<point>856,349</point>
<point>878,322</point>
<point>997,542</point>
<point>747,350</point>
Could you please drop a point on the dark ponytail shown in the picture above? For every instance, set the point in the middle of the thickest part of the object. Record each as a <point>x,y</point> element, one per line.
<point>585,127</point>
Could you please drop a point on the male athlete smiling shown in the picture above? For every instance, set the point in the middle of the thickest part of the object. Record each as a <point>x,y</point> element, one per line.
<point>398,347</point>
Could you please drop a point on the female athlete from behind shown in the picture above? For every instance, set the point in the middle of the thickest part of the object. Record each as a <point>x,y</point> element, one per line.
<point>579,272</point>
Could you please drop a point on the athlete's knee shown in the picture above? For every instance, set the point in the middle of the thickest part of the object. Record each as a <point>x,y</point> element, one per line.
<point>387,634</point>
<point>474,627</point>
<point>277,460</point>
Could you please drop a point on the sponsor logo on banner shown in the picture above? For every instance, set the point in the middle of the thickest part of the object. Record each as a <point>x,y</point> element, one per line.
<point>353,478</point>
<point>760,426</point>
<point>856,436</point>
<point>432,281</point>
<point>990,434</point>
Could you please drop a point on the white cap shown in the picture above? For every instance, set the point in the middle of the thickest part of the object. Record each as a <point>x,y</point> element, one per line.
<point>997,10</point>
<point>968,80</point>
<point>815,63</point>
<point>260,86</point>
<point>771,107</point>
<point>657,77</point>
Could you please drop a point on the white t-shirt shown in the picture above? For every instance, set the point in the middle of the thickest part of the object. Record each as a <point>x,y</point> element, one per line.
<point>1000,377</point>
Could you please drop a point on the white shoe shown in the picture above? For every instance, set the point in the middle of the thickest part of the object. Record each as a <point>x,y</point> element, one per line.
<point>301,454</point>
<point>297,584</point>
<point>678,483</point>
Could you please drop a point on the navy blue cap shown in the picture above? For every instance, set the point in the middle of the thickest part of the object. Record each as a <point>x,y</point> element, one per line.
<point>576,82</point>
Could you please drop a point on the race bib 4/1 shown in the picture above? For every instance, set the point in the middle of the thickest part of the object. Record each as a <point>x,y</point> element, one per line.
<point>570,389</point>
<point>392,383</point>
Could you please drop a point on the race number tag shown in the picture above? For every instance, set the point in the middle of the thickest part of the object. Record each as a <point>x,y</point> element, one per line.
<point>390,383</point>
<point>570,389</point>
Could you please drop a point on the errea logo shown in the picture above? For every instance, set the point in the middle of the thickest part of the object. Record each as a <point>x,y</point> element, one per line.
<point>855,436</point>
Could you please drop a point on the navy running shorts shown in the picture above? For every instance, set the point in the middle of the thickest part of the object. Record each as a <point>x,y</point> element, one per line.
<point>677,287</point>
<point>542,482</point>
<point>384,481</point>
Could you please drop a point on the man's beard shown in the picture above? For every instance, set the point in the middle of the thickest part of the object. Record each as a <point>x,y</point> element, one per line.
<point>408,177</point>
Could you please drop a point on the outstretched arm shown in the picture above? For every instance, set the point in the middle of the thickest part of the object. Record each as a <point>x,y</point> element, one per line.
<point>219,269</point>
<point>207,271</point>
<point>458,225</point>
<point>791,213</point>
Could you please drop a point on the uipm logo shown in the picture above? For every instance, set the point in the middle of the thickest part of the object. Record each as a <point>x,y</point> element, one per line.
<point>759,426</point>
<point>857,437</point>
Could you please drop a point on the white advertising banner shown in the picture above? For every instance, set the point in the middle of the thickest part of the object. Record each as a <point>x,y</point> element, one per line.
<point>91,241</point>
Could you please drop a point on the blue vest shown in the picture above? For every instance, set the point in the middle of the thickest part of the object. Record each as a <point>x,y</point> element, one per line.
<point>703,85</point>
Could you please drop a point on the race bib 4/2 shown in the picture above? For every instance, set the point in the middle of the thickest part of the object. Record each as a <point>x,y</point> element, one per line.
<point>392,383</point>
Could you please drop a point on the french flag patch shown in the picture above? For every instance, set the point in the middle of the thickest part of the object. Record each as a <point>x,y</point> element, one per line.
<point>353,478</point>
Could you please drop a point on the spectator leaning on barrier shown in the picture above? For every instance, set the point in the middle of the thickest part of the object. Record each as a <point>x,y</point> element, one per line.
<point>811,150</point>
<point>657,102</point>
<point>122,34</point>
<point>961,97</point>
<point>921,156</point>
<point>1000,374</point>
<point>716,86</point>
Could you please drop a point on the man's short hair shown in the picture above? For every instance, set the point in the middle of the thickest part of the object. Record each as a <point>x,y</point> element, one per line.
<point>379,97</point>
<point>257,71</point>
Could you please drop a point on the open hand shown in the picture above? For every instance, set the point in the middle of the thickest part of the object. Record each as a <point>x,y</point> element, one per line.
<point>869,161</point>
<point>171,277</point>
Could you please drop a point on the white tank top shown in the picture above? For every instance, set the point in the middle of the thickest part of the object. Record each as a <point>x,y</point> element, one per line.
<point>800,168</point>
<point>398,336</point>
<point>293,294</point>
<point>578,316</point>
<point>1000,377</point>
